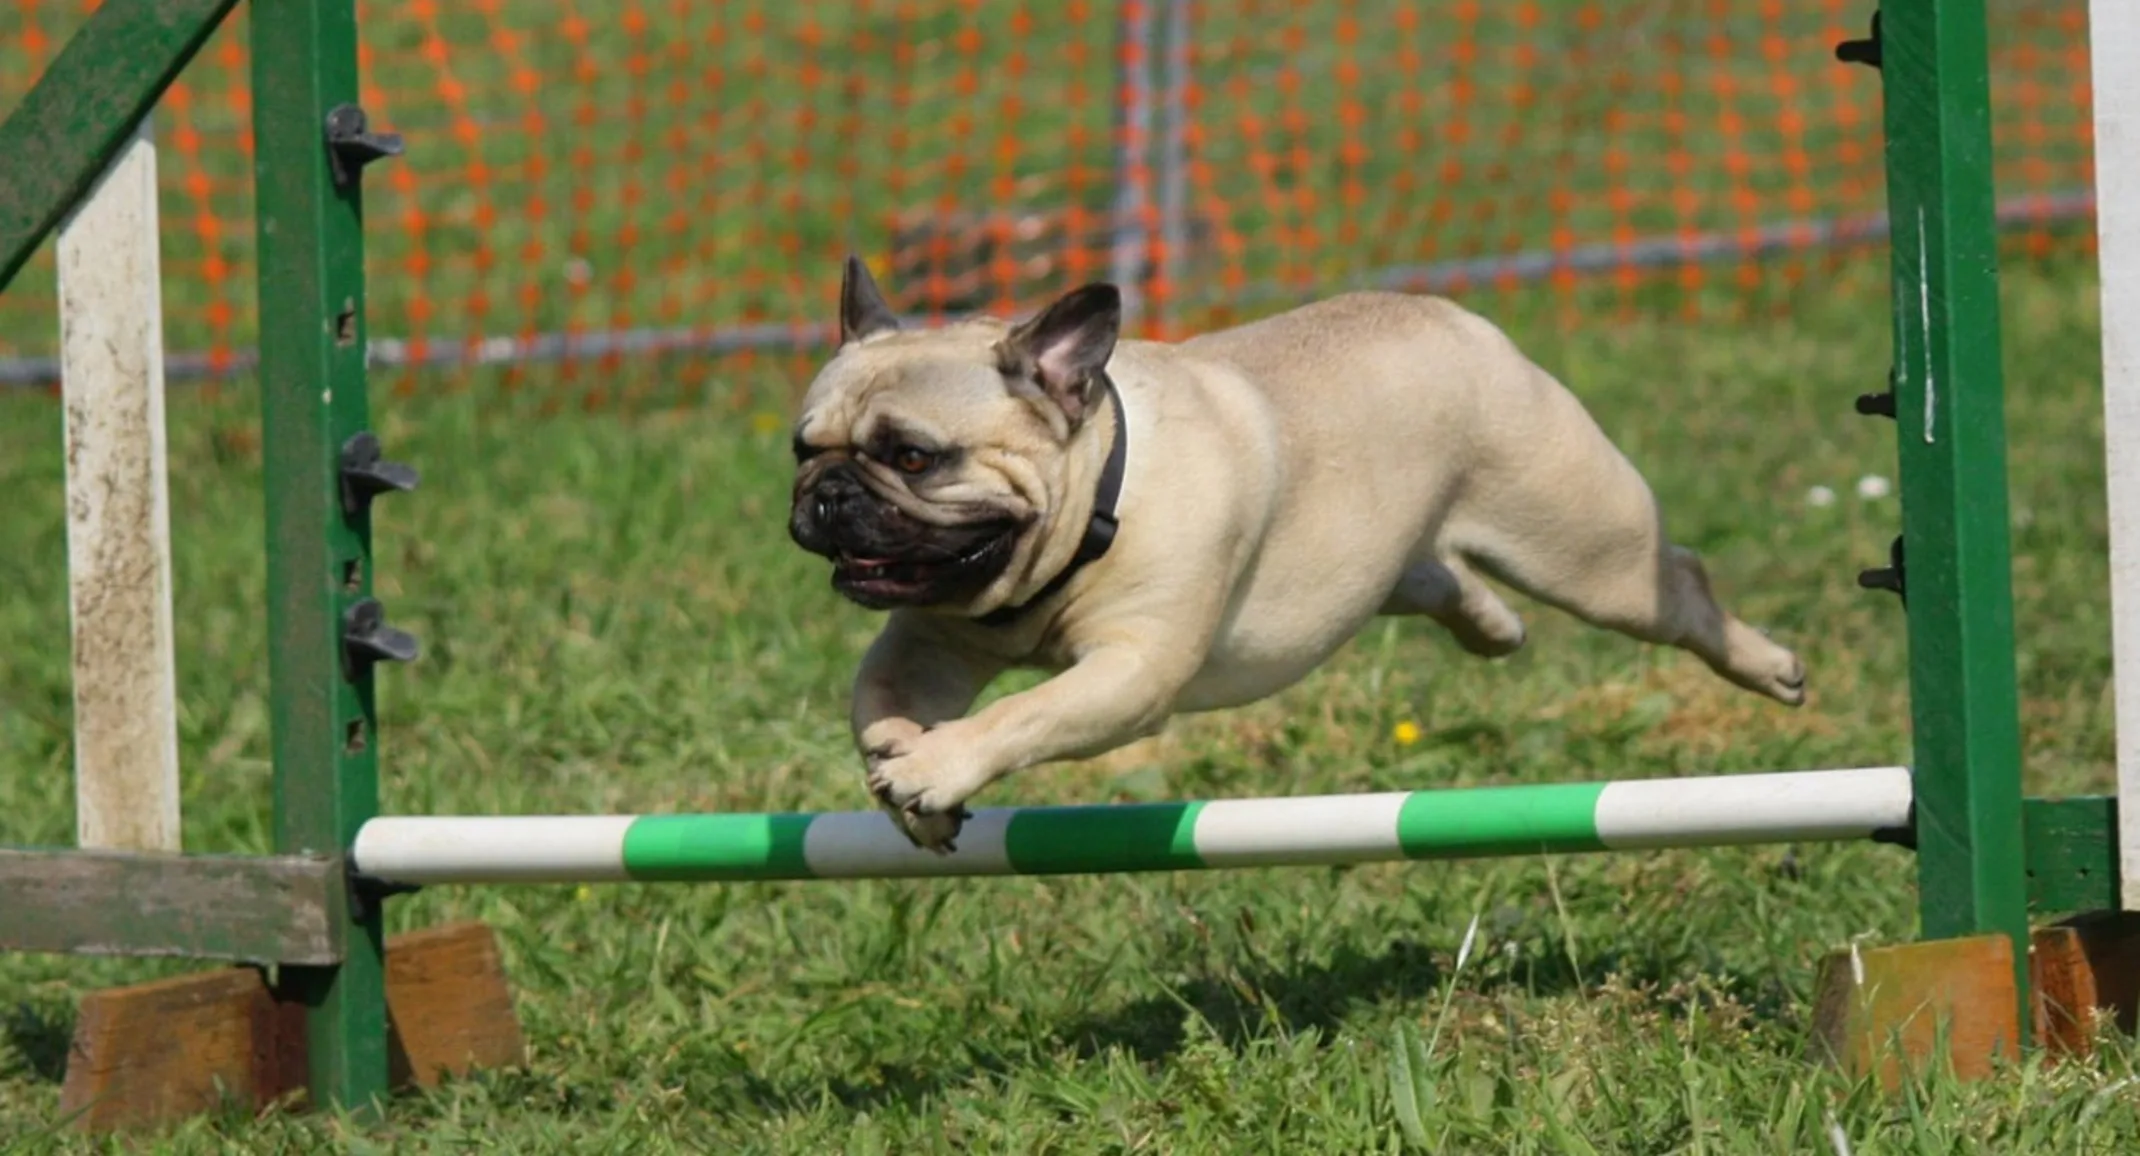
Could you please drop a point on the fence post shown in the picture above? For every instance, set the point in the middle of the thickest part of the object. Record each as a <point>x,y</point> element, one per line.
<point>1173,169</point>
<point>118,511</point>
<point>312,360</point>
<point>1133,134</point>
<point>1950,418</point>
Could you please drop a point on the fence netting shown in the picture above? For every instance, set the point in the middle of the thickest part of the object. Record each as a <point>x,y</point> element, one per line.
<point>602,184</point>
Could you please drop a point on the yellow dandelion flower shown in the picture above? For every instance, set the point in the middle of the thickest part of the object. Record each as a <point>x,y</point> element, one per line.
<point>1406,733</point>
<point>766,422</point>
<point>584,894</point>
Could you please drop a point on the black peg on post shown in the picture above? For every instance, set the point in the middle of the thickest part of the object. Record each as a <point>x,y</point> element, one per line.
<point>1890,577</point>
<point>1866,51</point>
<point>367,639</point>
<point>351,144</point>
<point>365,475</point>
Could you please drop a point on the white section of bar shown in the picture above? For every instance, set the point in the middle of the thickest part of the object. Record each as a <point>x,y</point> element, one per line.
<point>1320,829</point>
<point>494,849</point>
<point>848,844</point>
<point>118,511</point>
<point>1772,807</point>
<point>2114,53</point>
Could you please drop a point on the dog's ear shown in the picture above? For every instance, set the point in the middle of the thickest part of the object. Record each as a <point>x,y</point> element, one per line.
<point>862,308</point>
<point>1062,351</point>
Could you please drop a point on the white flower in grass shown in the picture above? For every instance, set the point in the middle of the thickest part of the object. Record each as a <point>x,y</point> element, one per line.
<point>1873,487</point>
<point>1820,497</point>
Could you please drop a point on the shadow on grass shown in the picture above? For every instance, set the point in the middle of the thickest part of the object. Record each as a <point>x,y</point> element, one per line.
<point>1321,997</point>
<point>1253,1003</point>
<point>1150,1029</point>
<point>39,1039</point>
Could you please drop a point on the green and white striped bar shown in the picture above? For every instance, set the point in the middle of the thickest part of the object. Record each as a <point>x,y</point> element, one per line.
<point>1477,822</point>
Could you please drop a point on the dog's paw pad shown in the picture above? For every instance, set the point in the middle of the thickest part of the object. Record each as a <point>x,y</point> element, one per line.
<point>938,832</point>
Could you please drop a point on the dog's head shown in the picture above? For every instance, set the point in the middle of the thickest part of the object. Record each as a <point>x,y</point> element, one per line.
<point>931,464</point>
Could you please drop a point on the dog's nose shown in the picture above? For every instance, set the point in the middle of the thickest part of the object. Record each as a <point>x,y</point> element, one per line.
<point>833,493</point>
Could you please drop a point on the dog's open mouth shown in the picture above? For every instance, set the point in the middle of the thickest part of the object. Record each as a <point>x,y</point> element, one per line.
<point>927,577</point>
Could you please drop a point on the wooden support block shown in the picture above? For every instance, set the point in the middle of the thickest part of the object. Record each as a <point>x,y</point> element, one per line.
<point>1885,1010</point>
<point>177,1047</point>
<point>157,1052</point>
<point>449,1008</point>
<point>2081,969</point>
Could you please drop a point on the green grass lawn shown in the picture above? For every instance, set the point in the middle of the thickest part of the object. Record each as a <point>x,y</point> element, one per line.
<point>615,621</point>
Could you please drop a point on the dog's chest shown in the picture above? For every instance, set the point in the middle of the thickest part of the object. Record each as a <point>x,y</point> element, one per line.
<point>1242,670</point>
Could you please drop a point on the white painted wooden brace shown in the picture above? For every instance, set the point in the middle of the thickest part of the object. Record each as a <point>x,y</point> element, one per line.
<point>118,520</point>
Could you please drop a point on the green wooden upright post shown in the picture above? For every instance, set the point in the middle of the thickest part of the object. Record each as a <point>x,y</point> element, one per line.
<point>1950,419</point>
<point>304,55</point>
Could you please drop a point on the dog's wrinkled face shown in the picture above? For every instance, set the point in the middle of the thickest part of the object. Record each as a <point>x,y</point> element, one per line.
<point>904,516</point>
<point>928,462</point>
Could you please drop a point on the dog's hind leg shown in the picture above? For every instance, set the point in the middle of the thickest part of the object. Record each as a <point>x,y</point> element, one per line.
<point>1450,594</point>
<point>1604,558</point>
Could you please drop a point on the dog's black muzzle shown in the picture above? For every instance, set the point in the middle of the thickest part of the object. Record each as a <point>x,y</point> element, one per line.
<point>828,501</point>
<point>881,556</point>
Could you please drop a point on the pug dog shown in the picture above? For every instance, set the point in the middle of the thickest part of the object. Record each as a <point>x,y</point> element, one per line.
<point>1169,528</point>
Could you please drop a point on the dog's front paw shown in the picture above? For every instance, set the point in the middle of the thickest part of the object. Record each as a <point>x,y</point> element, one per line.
<point>923,781</point>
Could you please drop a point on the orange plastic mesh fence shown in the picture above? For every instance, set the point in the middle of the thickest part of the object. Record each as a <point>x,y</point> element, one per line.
<point>594,185</point>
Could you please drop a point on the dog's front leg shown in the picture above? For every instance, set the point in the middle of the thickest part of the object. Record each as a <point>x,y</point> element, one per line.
<point>1112,695</point>
<point>909,682</point>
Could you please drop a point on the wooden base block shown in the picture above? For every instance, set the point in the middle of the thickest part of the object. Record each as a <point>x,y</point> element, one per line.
<point>157,1052</point>
<point>1887,1010</point>
<point>2080,970</point>
<point>181,1046</point>
<point>449,1008</point>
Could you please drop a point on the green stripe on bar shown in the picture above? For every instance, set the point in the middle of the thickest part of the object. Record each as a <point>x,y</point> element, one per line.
<point>1131,837</point>
<point>1448,824</point>
<point>683,848</point>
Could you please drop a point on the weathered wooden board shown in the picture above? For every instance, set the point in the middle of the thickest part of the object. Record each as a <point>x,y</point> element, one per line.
<point>157,1052</point>
<point>160,1051</point>
<point>118,512</point>
<point>256,909</point>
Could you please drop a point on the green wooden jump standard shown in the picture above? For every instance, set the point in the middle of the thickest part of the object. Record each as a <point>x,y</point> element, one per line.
<point>310,224</point>
<point>1949,415</point>
<point>348,1014</point>
<point>323,1024</point>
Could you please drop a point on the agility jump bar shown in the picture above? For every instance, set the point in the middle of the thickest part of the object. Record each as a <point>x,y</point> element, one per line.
<point>1452,823</point>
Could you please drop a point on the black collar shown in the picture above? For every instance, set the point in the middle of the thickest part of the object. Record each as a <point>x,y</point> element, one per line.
<point>1099,532</point>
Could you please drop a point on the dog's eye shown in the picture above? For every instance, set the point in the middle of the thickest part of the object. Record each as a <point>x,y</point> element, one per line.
<point>912,460</point>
